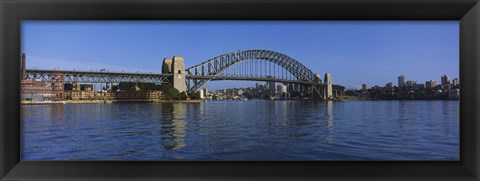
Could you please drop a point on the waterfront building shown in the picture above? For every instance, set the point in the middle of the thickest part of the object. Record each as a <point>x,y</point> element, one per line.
<point>410,83</point>
<point>401,81</point>
<point>454,94</point>
<point>418,86</point>
<point>271,85</point>
<point>76,87</point>
<point>282,89</point>
<point>364,87</point>
<point>439,87</point>
<point>202,94</point>
<point>446,87</point>
<point>389,85</point>
<point>260,87</point>
<point>445,79</point>
<point>455,82</point>
<point>35,91</point>
<point>137,95</point>
<point>294,87</point>
<point>430,84</point>
<point>205,91</point>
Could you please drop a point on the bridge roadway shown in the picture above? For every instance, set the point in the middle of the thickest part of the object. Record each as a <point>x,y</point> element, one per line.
<point>117,77</point>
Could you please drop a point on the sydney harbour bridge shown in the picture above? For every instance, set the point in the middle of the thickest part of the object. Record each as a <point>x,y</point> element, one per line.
<point>247,65</point>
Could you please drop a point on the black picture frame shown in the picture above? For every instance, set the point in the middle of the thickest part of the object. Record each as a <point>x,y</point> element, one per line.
<point>12,12</point>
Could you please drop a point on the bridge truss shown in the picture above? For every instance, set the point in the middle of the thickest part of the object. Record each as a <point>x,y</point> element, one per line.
<point>97,77</point>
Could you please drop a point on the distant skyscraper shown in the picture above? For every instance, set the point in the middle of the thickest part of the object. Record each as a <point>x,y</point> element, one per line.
<point>411,83</point>
<point>291,87</point>
<point>364,87</point>
<point>455,82</point>
<point>205,91</point>
<point>431,84</point>
<point>401,81</point>
<point>445,79</point>
<point>272,85</point>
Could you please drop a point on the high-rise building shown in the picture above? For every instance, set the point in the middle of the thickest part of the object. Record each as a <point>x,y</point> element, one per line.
<point>364,87</point>
<point>430,84</point>
<point>205,91</point>
<point>410,83</point>
<point>271,85</point>
<point>401,81</point>
<point>445,79</point>
<point>455,82</point>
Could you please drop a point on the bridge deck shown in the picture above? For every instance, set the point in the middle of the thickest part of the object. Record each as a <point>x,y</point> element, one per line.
<point>116,77</point>
<point>98,76</point>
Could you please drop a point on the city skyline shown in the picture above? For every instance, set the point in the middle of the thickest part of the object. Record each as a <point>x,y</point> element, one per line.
<point>376,53</point>
<point>407,81</point>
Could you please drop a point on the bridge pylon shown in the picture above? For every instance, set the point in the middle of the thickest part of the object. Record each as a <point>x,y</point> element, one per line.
<point>175,66</point>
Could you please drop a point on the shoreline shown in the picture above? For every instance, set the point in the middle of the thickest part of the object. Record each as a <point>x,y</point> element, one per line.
<point>199,101</point>
<point>109,101</point>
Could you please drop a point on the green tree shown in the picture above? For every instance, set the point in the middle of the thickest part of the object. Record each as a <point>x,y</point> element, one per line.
<point>68,86</point>
<point>194,95</point>
<point>172,93</point>
<point>127,85</point>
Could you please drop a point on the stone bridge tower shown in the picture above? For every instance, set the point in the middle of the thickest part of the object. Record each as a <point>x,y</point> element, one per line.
<point>175,66</point>
<point>328,93</point>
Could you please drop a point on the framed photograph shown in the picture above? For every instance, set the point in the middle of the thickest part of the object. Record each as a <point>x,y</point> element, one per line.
<point>239,90</point>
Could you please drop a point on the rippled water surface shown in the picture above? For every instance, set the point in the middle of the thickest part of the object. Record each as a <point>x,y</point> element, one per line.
<point>243,130</point>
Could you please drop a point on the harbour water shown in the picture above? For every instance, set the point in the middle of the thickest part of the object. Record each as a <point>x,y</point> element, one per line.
<point>242,130</point>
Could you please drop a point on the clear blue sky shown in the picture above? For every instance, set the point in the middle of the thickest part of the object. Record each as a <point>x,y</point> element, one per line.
<point>354,52</point>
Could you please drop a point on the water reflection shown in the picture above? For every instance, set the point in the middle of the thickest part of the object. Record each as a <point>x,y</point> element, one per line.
<point>330,118</point>
<point>173,126</point>
<point>330,112</point>
<point>243,130</point>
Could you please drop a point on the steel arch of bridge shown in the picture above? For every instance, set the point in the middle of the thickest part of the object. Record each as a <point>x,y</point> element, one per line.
<point>210,69</point>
